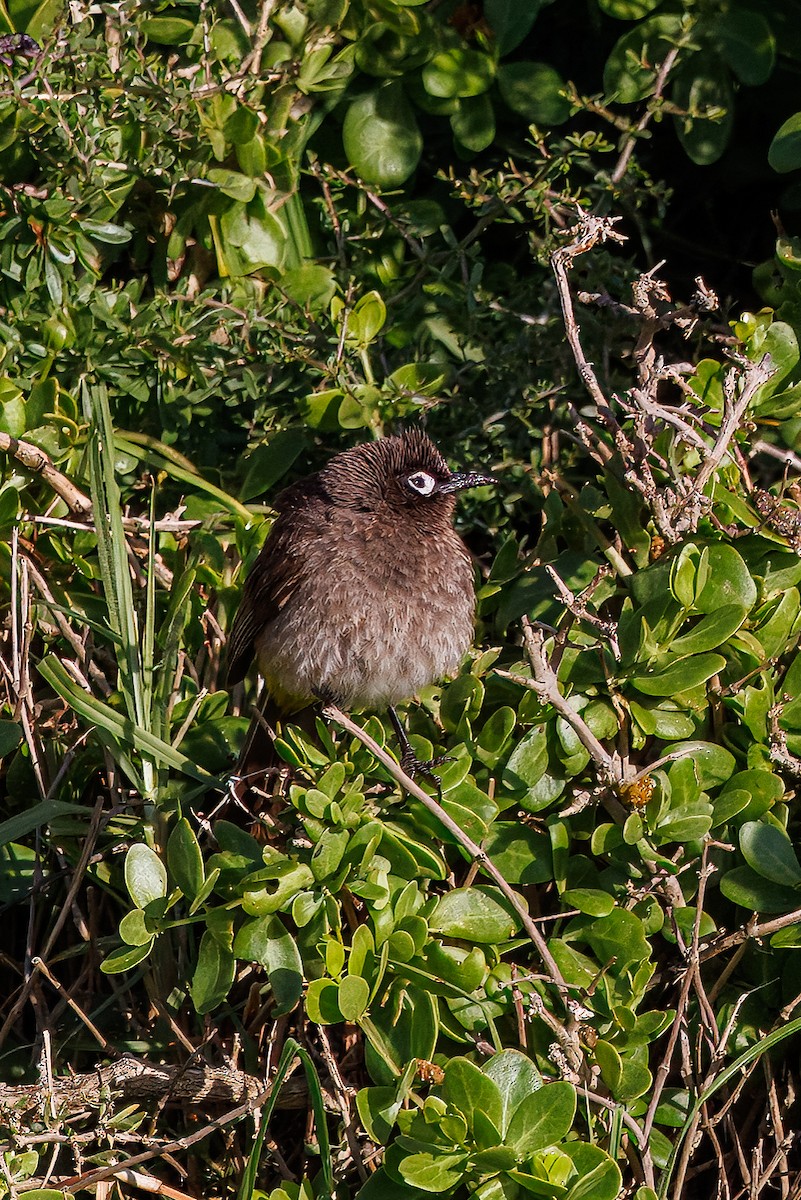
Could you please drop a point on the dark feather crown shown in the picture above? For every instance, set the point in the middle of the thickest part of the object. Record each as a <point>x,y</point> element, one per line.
<point>374,473</point>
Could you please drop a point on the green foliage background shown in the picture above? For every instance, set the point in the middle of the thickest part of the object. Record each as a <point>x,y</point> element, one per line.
<point>234,239</point>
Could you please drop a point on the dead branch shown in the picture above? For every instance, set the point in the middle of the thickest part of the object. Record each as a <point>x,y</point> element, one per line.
<point>546,685</point>
<point>589,232</point>
<point>135,1081</point>
<point>749,379</point>
<point>40,463</point>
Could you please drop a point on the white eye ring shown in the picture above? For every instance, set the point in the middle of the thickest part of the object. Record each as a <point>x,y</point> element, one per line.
<point>422,482</point>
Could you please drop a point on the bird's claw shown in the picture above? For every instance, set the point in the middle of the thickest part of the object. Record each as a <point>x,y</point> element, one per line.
<point>412,765</point>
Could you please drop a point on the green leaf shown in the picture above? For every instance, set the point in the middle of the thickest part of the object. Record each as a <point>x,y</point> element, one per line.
<point>589,900</point>
<point>134,930</point>
<point>418,378</point>
<point>637,1080</point>
<point>603,1182</point>
<point>510,21</point>
<point>631,68</point>
<point>241,126</point>
<point>456,965</point>
<point>745,40</point>
<point>381,1186</point>
<point>543,1119</point>
<point>703,87</point>
<point>685,823</point>
<point>734,801</point>
<point>712,764</point>
<point>403,1025</point>
<point>311,285</point>
<point>729,580</point>
<point>534,90</point>
<point>458,72</point>
<point>462,698</point>
<point>269,463</point>
<point>770,853</point>
<point>366,320</point>
<point>673,1108</point>
<point>273,887</point>
<point>516,1079</point>
<point>763,787</point>
<point>618,938</point>
<point>711,631</point>
<point>169,31</point>
<point>265,940</point>
<point>378,1108</point>
<point>12,412</point>
<point>184,859</point>
<point>521,854</point>
<point>17,827</point>
<point>528,762</point>
<point>329,852</point>
<point>106,231</point>
<point>40,24</point>
<point>473,123</point>
<point>495,734</point>
<point>472,1093</point>
<point>433,1171</point>
<point>685,787</point>
<point>125,959</point>
<point>322,1002</point>
<point>745,887</point>
<point>124,732</point>
<point>675,677</point>
<point>214,974</point>
<point>381,138</point>
<point>18,866</point>
<point>145,876</point>
<point>610,1063</point>
<point>233,184</point>
<point>249,237</point>
<point>477,914</point>
<point>784,153</point>
<point>354,996</point>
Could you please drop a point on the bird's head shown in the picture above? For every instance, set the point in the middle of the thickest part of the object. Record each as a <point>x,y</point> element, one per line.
<point>406,474</point>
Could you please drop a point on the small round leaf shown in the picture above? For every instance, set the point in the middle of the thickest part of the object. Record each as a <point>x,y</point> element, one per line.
<point>381,136</point>
<point>145,876</point>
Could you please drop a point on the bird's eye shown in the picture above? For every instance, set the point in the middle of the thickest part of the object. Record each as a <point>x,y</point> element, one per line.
<point>421,482</point>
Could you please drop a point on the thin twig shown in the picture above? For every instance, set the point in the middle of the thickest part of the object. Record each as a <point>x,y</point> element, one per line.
<point>546,685</point>
<point>588,232</point>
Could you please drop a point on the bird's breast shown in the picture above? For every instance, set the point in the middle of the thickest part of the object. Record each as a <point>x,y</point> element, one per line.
<point>373,618</point>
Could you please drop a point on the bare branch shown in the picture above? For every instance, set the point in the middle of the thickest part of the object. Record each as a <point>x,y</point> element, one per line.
<point>40,463</point>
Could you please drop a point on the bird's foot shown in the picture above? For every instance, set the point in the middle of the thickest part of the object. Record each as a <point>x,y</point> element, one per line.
<point>409,762</point>
<point>412,765</point>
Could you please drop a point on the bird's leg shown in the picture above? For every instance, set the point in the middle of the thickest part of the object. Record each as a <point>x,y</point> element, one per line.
<point>409,761</point>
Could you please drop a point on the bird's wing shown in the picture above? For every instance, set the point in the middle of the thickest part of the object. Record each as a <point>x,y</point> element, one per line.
<point>275,573</point>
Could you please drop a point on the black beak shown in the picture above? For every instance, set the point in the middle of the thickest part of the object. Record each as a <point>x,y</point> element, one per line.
<point>465,479</point>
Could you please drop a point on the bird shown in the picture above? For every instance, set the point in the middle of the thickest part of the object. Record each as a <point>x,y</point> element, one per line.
<point>363,591</point>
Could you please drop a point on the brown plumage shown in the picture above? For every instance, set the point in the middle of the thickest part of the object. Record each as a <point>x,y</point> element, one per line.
<point>363,591</point>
